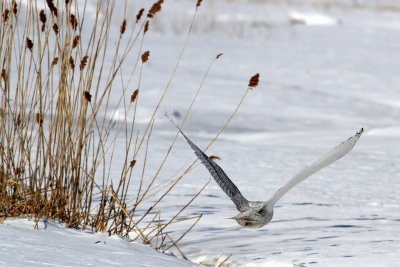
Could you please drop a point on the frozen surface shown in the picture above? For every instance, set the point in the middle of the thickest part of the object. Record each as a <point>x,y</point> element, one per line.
<point>54,245</point>
<point>319,85</point>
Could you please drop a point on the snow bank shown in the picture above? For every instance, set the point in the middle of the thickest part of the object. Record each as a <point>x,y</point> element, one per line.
<point>55,245</point>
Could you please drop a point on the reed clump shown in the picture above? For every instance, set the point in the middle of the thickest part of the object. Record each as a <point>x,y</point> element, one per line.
<point>59,71</point>
<point>57,140</point>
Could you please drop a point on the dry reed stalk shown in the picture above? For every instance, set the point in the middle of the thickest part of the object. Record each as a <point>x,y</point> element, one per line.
<point>176,246</point>
<point>181,210</point>
<point>223,262</point>
<point>186,232</point>
<point>185,117</point>
<point>253,82</point>
<point>169,80</point>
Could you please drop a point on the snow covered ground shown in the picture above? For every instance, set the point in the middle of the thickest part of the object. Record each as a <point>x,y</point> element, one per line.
<point>55,245</point>
<point>319,85</point>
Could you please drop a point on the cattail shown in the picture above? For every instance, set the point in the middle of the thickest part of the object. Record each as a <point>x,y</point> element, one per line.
<point>218,56</point>
<point>18,120</point>
<point>75,41</point>
<point>132,163</point>
<point>29,43</point>
<point>52,7</point>
<point>55,28</point>
<point>67,2</point>
<point>198,4</point>
<point>72,63</point>
<point>87,96</point>
<point>83,62</point>
<point>139,15</point>
<point>15,8</point>
<point>214,157</point>
<point>123,27</point>
<point>4,74</point>
<point>134,95</point>
<point>39,119</point>
<point>55,61</point>
<point>6,12</point>
<point>155,9</point>
<point>42,16</point>
<point>145,56</point>
<point>254,80</point>
<point>146,27</point>
<point>73,21</point>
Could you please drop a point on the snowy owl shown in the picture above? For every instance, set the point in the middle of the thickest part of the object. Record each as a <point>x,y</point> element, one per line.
<point>255,214</point>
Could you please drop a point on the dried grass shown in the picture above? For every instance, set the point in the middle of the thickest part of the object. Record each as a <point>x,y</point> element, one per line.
<point>57,142</point>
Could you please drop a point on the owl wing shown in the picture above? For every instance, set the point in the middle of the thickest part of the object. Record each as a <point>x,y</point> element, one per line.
<point>218,174</point>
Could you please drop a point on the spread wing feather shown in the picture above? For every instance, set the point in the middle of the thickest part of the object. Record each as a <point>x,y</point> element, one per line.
<point>335,154</point>
<point>218,174</point>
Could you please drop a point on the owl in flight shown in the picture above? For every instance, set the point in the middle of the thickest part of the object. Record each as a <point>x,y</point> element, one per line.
<point>255,214</point>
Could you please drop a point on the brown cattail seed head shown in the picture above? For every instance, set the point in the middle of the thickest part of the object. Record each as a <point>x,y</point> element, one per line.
<point>198,4</point>
<point>155,9</point>
<point>55,28</point>
<point>139,15</point>
<point>39,119</point>
<point>55,61</point>
<point>75,41</point>
<point>145,56</point>
<point>83,62</point>
<point>5,14</point>
<point>218,56</point>
<point>146,27</point>
<point>123,27</point>
<point>52,7</point>
<point>18,120</point>
<point>73,21</point>
<point>87,96</point>
<point>15,8</point>
<point>72,63</point>
<point>67,2</point>
<point>42,16</point>
<point>134,95</point>
<point>4,74</point>
<point>254,80</point>
<point>29,43</point>
<point>132,163</point>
